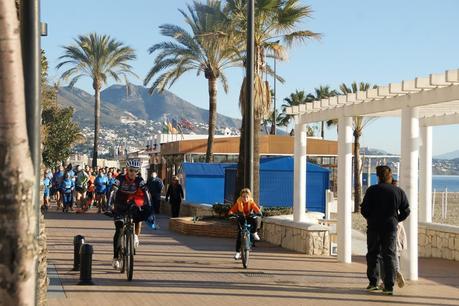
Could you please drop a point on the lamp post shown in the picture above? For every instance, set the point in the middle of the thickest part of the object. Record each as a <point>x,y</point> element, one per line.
<point>249,111</point>
<point>275,98</point>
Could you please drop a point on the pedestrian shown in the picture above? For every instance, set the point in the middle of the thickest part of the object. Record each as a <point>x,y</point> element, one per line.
<point>175,194</point>
<point>384,206</point>
<point>81,185</point>
<point>58,178</point>
<point>155,186</point>
<point>67,187</point>
<point>101,186</point>
<point>46,188</point>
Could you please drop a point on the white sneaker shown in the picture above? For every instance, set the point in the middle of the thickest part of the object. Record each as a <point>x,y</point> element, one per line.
<point>136,241</point>
<point>256,237</point>
<point>116,264</point>
<point>237,255</point>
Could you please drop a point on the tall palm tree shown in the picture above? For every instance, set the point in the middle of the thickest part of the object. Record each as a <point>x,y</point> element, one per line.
<point>296,98</point>
<point>320,93</point>
<point>207,50</point>
<point>358,124</point>
<point>276,29</point>
<point>99,57</point>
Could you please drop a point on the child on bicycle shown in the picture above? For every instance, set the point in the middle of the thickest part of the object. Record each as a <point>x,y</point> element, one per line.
<point>245,207</point>
<point>128,187</point>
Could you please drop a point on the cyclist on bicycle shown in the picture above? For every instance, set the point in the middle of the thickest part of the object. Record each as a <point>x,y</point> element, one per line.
<point>245,208</point>
<point>129,188</point>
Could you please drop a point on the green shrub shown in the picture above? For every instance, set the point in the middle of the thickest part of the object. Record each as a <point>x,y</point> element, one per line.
<point>276,211</point>
<point>221,209</point>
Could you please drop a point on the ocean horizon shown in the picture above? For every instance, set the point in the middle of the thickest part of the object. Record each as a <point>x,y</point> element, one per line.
<point>439,182</point>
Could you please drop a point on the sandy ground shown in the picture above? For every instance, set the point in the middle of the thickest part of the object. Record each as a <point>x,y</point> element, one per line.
<point>452,213</point>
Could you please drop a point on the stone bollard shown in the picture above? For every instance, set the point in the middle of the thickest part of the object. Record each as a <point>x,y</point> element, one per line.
<point>86,265</point>
<point>78,240</point>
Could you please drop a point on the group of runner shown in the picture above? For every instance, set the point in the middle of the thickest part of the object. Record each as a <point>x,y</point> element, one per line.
<point>79,187</point>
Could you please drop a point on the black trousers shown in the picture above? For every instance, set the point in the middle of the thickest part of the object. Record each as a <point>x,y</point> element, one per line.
<point>175,209</point>
<point>254,225</point>
<point>116,238</point>
<point>156,204</point>
<point>381,244</point>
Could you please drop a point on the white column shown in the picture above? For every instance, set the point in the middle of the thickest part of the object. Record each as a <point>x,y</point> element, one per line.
<point>425,175</point>
<point>369,173</point>
<point>344,226</point>
<point>409,157</point>
<point>299,174</point>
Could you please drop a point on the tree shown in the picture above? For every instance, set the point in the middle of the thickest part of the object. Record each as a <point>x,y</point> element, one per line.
<point>276,23</point>
<point>18,248</point>
<point>358,124</point>
<point>320,93</point>
<point>99,57</point>
<point>207,50</point>
<point>296,98</point>
<point>61,134</point>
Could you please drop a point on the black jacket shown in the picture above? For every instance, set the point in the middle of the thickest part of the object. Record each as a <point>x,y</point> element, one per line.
<point>174,193</point>
<point>384,205</point>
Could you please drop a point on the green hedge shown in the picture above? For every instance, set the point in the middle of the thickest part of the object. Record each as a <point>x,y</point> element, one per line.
<point>221,210</point>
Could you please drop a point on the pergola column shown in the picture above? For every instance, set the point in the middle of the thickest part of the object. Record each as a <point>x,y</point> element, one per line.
<point>409,157</point>
<point>344,226</point>
<point>425,175</point>
<point>299,174</point>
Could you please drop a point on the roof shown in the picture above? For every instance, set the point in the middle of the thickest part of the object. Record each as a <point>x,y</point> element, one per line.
<point>282,163</point>
<point>205,169</point>
<point>436,98</point>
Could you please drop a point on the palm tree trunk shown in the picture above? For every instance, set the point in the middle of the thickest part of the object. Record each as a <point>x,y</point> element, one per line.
<point>212,117</point>
<point>96,124</point>
<point>256,159</point>
<point>241,160</point>
<point>17,216</point>
<point>322,126</point>
<point>357,181</point>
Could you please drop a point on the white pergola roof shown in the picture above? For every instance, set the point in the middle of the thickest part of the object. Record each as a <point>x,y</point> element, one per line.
<point>436,97</point>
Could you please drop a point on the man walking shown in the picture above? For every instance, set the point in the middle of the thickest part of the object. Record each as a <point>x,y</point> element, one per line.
<point>155,186</point>
<point>383,206</point>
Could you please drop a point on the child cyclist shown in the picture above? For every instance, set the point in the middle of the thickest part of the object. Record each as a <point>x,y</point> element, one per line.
<point>245,207</point>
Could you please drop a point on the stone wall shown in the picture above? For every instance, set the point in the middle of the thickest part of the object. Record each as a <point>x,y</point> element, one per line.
<point>188,209</point>
<point>307,238</point>
<point>208,228</point>
<point>439,241</point>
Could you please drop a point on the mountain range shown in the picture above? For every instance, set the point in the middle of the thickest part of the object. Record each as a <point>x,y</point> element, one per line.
<point>119,101</point>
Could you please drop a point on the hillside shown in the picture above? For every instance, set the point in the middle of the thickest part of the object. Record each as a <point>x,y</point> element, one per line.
<point>117,102</point>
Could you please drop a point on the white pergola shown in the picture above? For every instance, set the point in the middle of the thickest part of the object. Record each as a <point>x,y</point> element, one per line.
<point>421,103</point>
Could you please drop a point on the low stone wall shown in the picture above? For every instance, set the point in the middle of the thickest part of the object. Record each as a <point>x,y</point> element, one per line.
<point>307,238</point>
<point>439,241</point>
<point>208,228</point>
<point>188,209</point>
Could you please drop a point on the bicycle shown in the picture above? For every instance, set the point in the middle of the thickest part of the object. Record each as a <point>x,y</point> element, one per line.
<point>246,240</point>
<point>127,251</point>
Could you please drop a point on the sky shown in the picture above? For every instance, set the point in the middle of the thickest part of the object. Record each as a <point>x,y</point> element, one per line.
<point>378,42</point>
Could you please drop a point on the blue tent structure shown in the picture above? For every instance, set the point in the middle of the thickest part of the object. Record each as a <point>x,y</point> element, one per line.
<point>204,183</point>
<point>215,183</point>
<point>276,183</point>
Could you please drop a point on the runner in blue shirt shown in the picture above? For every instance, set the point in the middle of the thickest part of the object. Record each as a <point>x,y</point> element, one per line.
<point>67,187</point>
<point>101,185</point>
<point>46,186</point>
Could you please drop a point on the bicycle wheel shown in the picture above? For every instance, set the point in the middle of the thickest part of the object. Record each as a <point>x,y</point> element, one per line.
<point>244,253</point>
<point>122,253</point>
<point>129,258</point>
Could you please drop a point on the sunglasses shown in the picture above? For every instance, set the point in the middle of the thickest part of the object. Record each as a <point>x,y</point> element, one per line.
<point>132,170</point>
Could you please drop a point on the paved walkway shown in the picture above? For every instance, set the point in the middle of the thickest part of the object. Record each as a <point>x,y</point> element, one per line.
<point>173,269</point>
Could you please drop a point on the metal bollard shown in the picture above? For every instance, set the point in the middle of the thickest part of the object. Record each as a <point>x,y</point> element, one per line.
<point>86,265</point>
<point>78,240</point>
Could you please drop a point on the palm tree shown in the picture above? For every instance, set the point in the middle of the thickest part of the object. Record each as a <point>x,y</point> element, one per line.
<point>320,93</point>
<point>207,50</point>
<point>295,98</point>
<point>276,23</point>
<point>17,217</point>
<point>99,57</point>
<point>358,124</point>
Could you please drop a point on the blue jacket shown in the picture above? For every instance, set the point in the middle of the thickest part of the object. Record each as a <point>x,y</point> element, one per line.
<point>67,185</point>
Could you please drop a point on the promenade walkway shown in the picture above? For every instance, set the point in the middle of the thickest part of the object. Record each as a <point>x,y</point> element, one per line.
<point>173,269</point>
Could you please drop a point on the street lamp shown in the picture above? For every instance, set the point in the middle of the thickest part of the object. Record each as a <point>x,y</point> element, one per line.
<point>275,76</point>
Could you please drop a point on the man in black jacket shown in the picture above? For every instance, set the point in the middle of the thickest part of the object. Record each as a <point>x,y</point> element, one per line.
<point>383,206</point>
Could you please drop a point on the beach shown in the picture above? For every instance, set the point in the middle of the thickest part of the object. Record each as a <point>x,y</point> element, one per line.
<point>452,215</point>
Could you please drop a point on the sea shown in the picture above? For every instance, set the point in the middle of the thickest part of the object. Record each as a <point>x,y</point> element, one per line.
<point>439,182</point>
